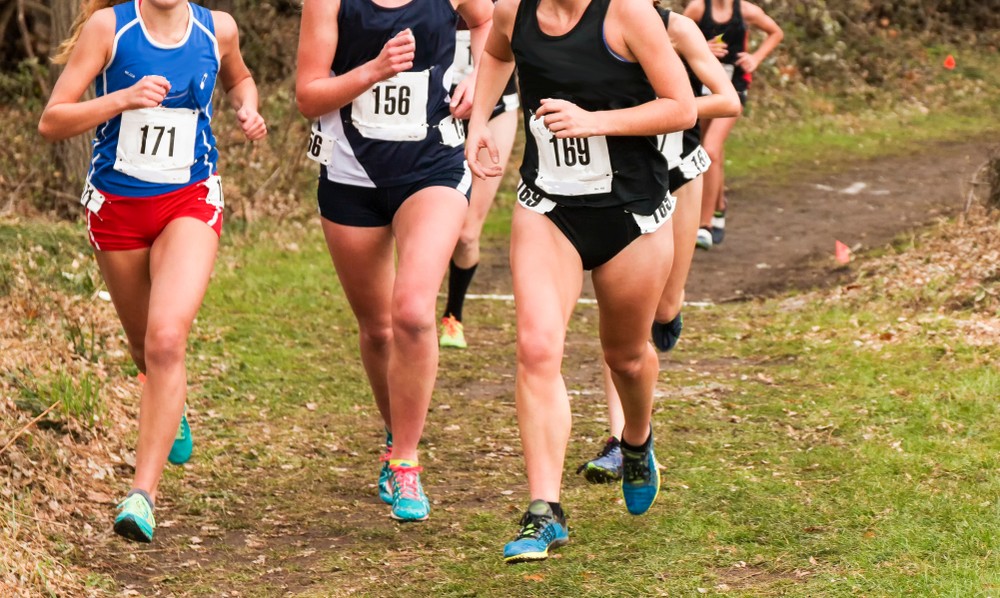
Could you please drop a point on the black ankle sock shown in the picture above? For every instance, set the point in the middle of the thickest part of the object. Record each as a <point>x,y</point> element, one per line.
<point>459,280</point>
<point>637,449</point>
<point>557,510</point>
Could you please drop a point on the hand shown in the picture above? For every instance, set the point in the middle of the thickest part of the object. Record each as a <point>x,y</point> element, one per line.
<point>747,62</point>
<point>566,119</point>
<point>461,100</point>
<point>480,138</point>
<point>718,47</point>
<point>396,56</point>
<point>252,123</point>
<point>148,92</point>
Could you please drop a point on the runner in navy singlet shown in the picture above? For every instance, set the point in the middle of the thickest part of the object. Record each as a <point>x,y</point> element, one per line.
<point>376,75</point>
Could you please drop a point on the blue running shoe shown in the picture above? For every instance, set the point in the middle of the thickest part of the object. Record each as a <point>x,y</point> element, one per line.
<point>640,480</point>
<point>540,531</point>
<point>180,452</point>
<point>409,503</point>
<point>606,467</point>
<point>665,336</point>
<point>385,474</point>
<point>135,517</point>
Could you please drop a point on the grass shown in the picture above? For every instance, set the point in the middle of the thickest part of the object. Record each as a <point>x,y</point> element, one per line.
<point>801,459</point>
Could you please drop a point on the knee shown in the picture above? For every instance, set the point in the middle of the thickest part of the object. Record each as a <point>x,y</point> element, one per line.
<point>715,153</point>
<point>412,318</point>
<point>539,351</point>
<point>165,346</point>
<point>468,240</point>
<point>627,363</point>
<point>376,335</point>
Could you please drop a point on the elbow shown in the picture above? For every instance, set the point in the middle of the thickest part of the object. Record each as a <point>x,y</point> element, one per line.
<point>735,107</point>
<point>47,131</point>
<point>690,114</point>
<point>306,107</point>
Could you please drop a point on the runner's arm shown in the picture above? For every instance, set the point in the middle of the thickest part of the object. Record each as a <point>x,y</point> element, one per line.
<point>691,45</point>
<point>236,79</point>
<point>757,18</point>
<point>495,67</point>
<point>478,15</point>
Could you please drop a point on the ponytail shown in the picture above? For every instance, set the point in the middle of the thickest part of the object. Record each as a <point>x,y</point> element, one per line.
<point>87,10</point>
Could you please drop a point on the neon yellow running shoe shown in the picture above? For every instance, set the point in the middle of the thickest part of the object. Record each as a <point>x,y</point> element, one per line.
<point>452,333</point>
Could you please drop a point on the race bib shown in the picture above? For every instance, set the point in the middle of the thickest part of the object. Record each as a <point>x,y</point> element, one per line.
<point>92,199</point>
<point>452,131</point>
<point>695,163</point>
<point>571,166</point>
<point>671,146</point>
<point>214,197</point>
<point>651,223</point>
<point>320,148</point>
<point>533,201</point>
<point>463,54</point>
<point>156,145</point>
<point>394,109</point>
<point>730,71</point>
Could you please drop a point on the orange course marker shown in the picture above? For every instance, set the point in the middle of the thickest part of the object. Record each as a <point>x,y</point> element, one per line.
<point>949,62</point>
<point>841,252</point>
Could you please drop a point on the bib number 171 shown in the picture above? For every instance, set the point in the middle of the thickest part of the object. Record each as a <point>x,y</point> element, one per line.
<point>158,132</point>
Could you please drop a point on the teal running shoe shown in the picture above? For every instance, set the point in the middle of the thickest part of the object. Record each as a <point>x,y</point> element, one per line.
<point>180,452</point>
<point>409,503</point>
<point>135,519</point>
<point>606,467</point>
<point>385,474</point>
<point>540,531</point>
<point>640,480</point>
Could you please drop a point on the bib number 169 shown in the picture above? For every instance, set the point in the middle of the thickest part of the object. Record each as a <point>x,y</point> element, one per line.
<point>570,151</point>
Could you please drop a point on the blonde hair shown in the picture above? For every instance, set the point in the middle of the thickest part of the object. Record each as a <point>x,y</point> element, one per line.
<point>87,10</point>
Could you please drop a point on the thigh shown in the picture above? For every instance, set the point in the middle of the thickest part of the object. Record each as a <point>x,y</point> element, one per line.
<point>628,288</point>
<point>126,274</point>
<point>180,265</point>
<point>548,276</point>
<point>363,259</point>
<point>426,229</point>
<point>715,132</point>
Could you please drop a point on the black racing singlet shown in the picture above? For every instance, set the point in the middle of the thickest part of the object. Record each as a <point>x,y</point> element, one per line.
<point>734,34</point>
<point>579,67</point>
<point>692,136</point>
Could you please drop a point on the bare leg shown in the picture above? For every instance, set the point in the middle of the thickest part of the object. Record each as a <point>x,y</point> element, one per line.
<point>548,277</point>
<point>685,226</point>
<point>177,268</point>
<point>713,137</point>
<point>363,259</point>
<point>426,229</point>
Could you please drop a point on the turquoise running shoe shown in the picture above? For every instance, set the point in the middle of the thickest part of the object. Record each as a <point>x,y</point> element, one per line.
<point>180,452</point>
<point>641,479</point>
<point>135,519</point>
<point>606,467</point>
<point>385,474</point>
<point>540,531</point>
<point>409,503</point>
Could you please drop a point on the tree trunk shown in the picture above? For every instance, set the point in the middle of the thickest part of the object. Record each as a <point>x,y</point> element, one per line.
<point>72,156</point>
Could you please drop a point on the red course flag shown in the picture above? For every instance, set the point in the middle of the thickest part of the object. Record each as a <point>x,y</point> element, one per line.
<point>842,252</point>
<point>949,62</point>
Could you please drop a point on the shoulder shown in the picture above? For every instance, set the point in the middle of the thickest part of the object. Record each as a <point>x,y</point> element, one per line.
<point>225,26</point>
<point>695,10</point>
<point>506,9</point>
<point>102,21</point>
<point>632,9</point>
<point>751,10</point>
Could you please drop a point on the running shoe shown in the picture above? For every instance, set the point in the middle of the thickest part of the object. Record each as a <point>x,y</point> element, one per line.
<point>606,467</point>
<point>665,336</point>
<point>385,474</point>
<point>452,333</point>
<point>180,452</point>
<point>704,239</point>
<point>540,531</point>
<point>718,227</point>
<point>135,518</point>
<point>409,503</point>
<point>640,480</point>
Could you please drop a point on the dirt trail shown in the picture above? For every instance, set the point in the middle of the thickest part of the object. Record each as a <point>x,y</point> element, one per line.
<point>781,236</point>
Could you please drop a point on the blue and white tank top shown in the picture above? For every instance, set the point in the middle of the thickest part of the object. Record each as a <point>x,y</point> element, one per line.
<point>153,151</point>
<point>400,130</point>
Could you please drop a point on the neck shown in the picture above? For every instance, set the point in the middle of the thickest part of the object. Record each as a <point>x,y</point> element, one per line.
<point>165,24</point>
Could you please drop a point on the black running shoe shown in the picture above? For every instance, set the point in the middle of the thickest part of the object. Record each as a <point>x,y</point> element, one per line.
<point>665,336</point>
